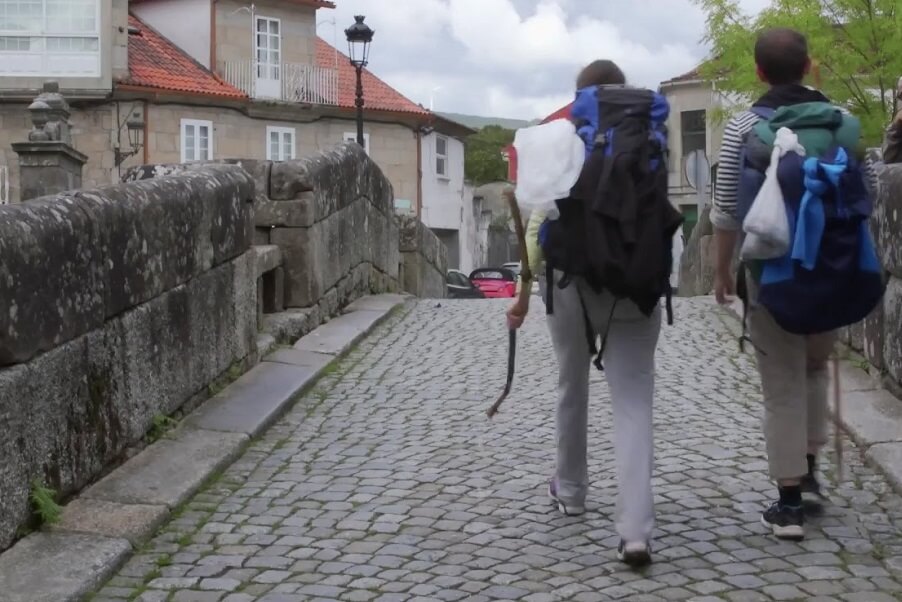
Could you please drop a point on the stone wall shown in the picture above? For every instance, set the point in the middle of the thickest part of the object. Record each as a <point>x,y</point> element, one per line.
<point>424,259</point>
<point>697,261</point>
<point>879,337</point>
<point>122,303</point>
<point>332,217</point>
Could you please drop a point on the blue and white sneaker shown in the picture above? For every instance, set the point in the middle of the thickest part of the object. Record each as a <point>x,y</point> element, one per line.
<point>566,508</point>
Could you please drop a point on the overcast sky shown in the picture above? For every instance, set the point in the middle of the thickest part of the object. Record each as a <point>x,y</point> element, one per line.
<point>519,58</point>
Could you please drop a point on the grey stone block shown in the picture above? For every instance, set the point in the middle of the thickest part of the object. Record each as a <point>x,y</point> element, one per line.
<point>289,325</point>
<point>59,567</point>
<point>265,344</point>
<point>158,234</point>
<point>384,302</point>
<point>887,219</point>
<point>171,470</point>
<point>339,335</point>
<point>255,400</point>
<point>266,258</point>
<point>892,337</point>
<point>872,338</point>
<point>62,422</point>
<point>175,345</point>
<point>888,457</point>
<point>51,277</point>
<point>872,416</point>
<point>296,357</point>
<point>133,522</point>
<point>296,213</point>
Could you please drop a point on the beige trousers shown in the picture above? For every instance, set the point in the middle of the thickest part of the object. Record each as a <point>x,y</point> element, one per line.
<point>794,382</point>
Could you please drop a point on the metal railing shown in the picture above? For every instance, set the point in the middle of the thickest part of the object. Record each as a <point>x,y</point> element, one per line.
<point>298,83</point>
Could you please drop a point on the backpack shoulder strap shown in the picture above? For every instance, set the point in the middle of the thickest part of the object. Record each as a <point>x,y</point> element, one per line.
<point>763,112</point>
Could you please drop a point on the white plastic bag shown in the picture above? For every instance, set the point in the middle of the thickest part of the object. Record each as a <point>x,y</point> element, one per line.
<point>550,158</point>
<point>767,225</point>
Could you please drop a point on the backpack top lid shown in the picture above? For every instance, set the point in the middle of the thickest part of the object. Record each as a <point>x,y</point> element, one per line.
<point>615,98</point>
<point>820,126</point>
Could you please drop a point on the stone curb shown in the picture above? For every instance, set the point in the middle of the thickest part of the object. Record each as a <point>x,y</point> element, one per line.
<point>870,415</point>
<point>101,528</point>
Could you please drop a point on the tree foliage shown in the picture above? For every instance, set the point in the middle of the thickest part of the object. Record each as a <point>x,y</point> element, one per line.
<point>483,162</point>
<point>855,46</point>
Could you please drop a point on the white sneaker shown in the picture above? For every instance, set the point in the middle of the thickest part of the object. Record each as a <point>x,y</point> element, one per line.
<point>634,553</point>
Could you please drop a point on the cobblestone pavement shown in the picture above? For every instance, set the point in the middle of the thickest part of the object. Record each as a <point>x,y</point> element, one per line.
<point>387,482</point>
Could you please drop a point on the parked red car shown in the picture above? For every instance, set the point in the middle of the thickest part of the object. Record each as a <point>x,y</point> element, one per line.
<point>495,282</point>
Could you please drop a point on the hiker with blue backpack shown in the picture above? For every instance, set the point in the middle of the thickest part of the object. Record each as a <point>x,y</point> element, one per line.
<point>793,189</point>
<point>607,255</point>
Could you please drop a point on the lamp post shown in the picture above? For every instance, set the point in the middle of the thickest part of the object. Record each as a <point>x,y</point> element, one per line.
<point>359,37</point>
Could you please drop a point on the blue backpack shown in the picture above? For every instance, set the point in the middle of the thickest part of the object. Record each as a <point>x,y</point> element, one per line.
<point>831,276</point>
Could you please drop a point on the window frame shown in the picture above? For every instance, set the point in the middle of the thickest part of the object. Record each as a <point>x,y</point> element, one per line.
<point>281,131</point>
<point>43,34</point>
<point>195,123</point>
<point>269,70</point>
<point>443,157</point>
<point>352,137</point>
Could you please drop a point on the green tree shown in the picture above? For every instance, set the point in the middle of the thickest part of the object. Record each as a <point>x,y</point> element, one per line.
<point>483,162</point>
<point>855,45</point>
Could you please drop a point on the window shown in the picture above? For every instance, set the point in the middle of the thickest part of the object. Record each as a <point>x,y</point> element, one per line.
<point>50,37</point>
<point>441,156</point>
<point>279,144</point>
<point>692,127</point>
<point>197,140</point>
<point>352,137</point>
<point>268,48</point>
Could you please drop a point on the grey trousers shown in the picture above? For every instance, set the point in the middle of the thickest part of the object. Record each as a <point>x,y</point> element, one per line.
<point>629,362</point>
<point>794,383</point>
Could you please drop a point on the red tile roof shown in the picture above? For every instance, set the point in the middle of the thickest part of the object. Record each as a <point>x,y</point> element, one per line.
<point>155,62</point>
<point>689,76</point>
<point>377,95</point>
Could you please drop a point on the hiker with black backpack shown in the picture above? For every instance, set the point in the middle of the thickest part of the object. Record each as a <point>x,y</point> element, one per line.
<point>607,254</point>
<point>793,164</point>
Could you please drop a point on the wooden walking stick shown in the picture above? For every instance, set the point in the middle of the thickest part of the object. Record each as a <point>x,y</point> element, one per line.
<point>525,292</point>
<point>837,420</point>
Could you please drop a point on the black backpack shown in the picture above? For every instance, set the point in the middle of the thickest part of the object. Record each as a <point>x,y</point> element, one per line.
<point>616,228</point>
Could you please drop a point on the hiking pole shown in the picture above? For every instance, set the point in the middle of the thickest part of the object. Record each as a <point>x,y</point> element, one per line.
<point>525,291</point>
<point>837,419</point>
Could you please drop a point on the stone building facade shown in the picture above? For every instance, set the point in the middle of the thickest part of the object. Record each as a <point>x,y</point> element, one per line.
<point>154,64</point>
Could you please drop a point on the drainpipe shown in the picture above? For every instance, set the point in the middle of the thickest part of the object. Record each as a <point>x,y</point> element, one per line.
<point>213,35</point>
<point>146,130</point>
<point>419,137</point>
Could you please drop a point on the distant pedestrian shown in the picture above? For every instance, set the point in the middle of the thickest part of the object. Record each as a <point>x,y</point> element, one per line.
<point>828,277</point>
<point>620,303</point>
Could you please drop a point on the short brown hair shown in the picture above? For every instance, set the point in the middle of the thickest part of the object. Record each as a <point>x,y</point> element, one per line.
<point>782,55</point>
<point>600,73</point>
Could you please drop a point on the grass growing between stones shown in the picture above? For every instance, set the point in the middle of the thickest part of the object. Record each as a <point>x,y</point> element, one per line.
<point>161,425</point>
<point>43,504</point>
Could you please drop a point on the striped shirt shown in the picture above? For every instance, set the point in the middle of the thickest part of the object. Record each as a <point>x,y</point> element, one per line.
<point>723,214</point>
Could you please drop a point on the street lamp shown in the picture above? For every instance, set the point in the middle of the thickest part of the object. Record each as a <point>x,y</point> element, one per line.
<point>359,37</point>
<point>135,126</point>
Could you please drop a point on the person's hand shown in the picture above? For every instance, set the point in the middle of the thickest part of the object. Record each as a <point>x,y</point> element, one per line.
<point>724,286</point>
<point>897,120</point>
<point>516,313</point>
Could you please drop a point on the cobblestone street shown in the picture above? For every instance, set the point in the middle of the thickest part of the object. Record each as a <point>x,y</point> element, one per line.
<point>388,483</point>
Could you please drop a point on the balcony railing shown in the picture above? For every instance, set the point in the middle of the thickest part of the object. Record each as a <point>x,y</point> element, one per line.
<point>289,82</point>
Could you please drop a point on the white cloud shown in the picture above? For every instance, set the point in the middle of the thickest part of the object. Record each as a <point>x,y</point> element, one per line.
<point>519,58</point>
